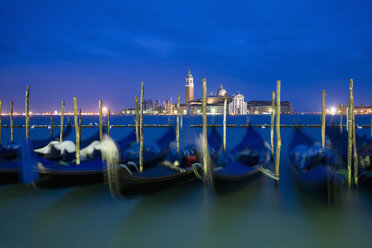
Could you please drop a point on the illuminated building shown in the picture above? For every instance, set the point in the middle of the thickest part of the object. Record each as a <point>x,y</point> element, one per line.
<point>189,87</point>
<point>215,104</point>
<point>264,107</point>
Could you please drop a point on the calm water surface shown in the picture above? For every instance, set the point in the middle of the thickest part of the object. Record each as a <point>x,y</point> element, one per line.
<point>255,214</point>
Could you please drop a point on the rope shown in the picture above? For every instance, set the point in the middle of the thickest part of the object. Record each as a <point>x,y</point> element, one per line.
<point>194,167</point>
<point>267,145</point>
<point>174,166</point>
<point>268,173</point>
<point>126,168</point>
<point>134,164</point>
<point>61,162</point>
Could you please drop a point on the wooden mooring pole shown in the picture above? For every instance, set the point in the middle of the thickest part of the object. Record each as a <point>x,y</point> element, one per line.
<point>62,114</point>
<point>79,125</point>
<point>76,122</point>
<point>178,124</point>
<point>51,126</point>
<point>323,116</point>
<point>137,119</point>
<point>109,122</point>
<point>181,120</point>
<point>224,121</point>
<point>27,110</point>
<point>350,134</point>
<point>355,151</point>
<point>141,129</point>
<point>278,137</point>
<point>11,122</point>
<point>1,104</point>
<point>100,121</point>
<point>341,115</point>
<point>205,140</point>
<point>272,123</point>
<point>347,116</point>
<point>355,154</point>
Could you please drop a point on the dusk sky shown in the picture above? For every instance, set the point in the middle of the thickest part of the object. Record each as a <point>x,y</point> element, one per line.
<point>103,50</point>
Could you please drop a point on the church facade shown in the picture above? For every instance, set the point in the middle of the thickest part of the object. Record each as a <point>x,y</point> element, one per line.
<point>238,106</point>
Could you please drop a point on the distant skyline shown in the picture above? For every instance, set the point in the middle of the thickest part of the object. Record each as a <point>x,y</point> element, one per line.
<point>103,50</point>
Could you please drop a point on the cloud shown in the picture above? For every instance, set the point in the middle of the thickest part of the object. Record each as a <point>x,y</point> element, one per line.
<point>299,41</point>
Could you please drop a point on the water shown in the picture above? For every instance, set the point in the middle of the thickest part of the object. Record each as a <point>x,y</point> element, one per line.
<point>255,214</point>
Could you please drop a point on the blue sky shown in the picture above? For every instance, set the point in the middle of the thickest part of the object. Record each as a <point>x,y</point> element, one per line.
<point>103,50</point>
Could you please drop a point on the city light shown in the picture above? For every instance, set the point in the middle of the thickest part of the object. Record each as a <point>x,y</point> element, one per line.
<point>333,110</point>
<point>105,110</point>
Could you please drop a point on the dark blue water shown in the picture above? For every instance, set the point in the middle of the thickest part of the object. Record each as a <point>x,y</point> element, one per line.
<point>255,214</point>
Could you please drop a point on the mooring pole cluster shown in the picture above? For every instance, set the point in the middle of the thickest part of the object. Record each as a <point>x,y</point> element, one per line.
<point>352,155</point>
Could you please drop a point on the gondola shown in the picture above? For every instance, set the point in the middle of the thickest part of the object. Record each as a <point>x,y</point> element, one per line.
<point>10,156</point>
<point>11,150</point>
<point>315,167</point>
<point>174,170</point>
<point>153,152</point>
<point>243,162</point>
<point>68,173</point>
<point>66,150</point>
<point>364,150</point>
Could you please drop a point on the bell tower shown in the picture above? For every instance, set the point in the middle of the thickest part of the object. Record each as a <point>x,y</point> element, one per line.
<point>189,87</point>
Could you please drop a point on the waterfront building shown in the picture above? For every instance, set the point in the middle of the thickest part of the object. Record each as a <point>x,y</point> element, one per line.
<point>265,107</point>
<point>151,107</point>
<point>360,110</point>
<point>237,105</point>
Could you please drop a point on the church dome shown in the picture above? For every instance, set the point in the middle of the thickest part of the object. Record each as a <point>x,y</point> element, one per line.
<point>221,91</point>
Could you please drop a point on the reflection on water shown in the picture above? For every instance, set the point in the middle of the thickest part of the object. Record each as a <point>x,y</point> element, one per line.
<point>254,213</point>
